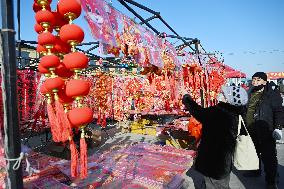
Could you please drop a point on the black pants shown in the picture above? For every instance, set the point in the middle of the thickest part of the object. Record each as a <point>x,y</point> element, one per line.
<point>265,146</point>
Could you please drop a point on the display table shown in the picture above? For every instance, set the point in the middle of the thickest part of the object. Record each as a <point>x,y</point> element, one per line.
<point>141,165</point>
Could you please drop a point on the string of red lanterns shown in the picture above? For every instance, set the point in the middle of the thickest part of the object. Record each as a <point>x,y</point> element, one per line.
<point>61,65</point>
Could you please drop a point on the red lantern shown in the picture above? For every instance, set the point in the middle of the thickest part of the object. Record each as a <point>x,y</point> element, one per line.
<point>80,116</point>
<point>71,33</point>
<point>43,89</point>
<point>37,8</point>
<point>54,83</point>
<point>42,69</point>
<point>76,88</point>
<point>45,17</point>
<point>39,29</point>
<point>69,8</point>
<point>41,49</point>
<point>63,72</point>
<point>46,38</point>
<point>50,61</point>
<point>75,60</point>
<point>42,2</point>
<point>59,20</point>
<point>63,98</point>
<point>61,47</point>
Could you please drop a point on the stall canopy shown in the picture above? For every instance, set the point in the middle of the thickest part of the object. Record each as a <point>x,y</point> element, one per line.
<point>275,75</point>
<point>229,72</point>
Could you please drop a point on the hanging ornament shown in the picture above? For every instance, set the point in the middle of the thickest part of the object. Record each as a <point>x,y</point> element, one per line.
<point>70,9</point>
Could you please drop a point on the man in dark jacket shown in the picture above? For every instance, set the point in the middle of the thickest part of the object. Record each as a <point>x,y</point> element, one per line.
<point>265,118</point>
<point>219,133</point>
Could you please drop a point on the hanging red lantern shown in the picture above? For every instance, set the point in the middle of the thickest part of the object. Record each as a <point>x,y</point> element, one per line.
<point>42,2</point>
<point>37,8</point>
<point>42,69</point>
<point>63,98</point>
<point>71,33</point>
<point>43,89</point>
<point>61,47</point>
<point>62,71</point>
<point>39,29</point>
<point>70,9</point>
<point>46,39</point>
<point>75,60</point>
<point>41,49</point>
<point>55,83</point>
<point>50,61</point>
<point>59,21</point>
<point>45,18</point>
<point>77,88</point>
<point>81,116</point>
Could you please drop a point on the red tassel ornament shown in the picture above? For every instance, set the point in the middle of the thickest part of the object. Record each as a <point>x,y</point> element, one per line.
<point>74,159</point>
<point>53,122</point>
<point>83,156</point>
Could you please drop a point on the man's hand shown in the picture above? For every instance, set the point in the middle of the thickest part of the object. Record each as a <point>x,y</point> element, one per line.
<point>277,134</point>
<point>186,98</point>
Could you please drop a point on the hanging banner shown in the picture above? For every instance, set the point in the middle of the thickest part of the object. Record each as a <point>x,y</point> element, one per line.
<point>97,16</point>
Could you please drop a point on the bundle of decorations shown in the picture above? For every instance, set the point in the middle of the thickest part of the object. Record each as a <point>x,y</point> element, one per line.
<point>64,88</point>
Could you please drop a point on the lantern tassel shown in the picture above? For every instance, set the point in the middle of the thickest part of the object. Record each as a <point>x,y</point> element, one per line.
<point>53,122</point>
<point>65,127</point>
<point>83,156</point>
<point>74,159</point>
<point>99,119</point>
<point>104,123</point>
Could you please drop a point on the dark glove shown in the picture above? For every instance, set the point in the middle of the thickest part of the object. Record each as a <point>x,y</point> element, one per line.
<point>186,98</point>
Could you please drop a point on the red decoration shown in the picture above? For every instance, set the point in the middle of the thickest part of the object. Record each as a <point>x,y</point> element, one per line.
<point>46,38</point>
<point>50,61</point>
<point>59,20</point>
<point>63,98</point>
<point>83,158</point>
<point>39,29</point>
<point>80,116</point>
<point>43,89</point>
<point>61,47</point>
<point>45,16</point>
<point>37,8</point>
<point>71,33</point>
<point>76,87</point>
<point>74,159</point>
<point>71,8</point>
<point>75,60</point>
<point>62,71</point>
<point>54,83</point>
<point>42,69</point>
<point>41,49</point>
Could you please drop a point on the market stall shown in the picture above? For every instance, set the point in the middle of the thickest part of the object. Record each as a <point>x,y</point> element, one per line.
<point>136,87</point>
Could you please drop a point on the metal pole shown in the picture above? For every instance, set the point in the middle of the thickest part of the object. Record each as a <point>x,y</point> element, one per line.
<point>19,32</point>
<point>142,7</point>
<point>149,19</point>
<point>200,77</point>
<point>138,16</point>
<point>11,123</point>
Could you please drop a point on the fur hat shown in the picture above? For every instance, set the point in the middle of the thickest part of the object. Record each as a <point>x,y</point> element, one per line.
<point>235,95</point>
<point>261,75</point>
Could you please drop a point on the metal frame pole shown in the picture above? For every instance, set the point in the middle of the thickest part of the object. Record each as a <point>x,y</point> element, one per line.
<point>8,69</point>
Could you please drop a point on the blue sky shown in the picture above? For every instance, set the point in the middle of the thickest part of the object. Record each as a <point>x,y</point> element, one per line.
<point>249,33</point>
